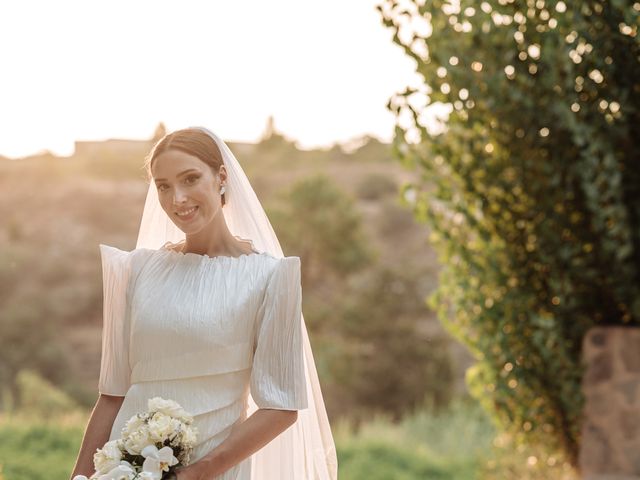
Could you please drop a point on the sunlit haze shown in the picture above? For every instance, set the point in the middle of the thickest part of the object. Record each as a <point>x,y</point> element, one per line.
<point>79,70</point>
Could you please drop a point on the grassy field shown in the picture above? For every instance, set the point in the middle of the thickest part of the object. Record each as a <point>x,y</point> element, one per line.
<point>38,449</point>
<point>459,443</point>
<point>453,444</point>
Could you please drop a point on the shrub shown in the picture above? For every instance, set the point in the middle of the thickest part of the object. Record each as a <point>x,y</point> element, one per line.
<point>530,188</point>
<point>375,186</point>
<point>40,398</point>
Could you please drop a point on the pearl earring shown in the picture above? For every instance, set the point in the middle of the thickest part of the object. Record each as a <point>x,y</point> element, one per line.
<point>222,190</point>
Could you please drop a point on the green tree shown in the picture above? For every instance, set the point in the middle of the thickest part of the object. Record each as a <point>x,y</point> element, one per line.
<point>321,223</point>
<point>28,342</point>
<point>531,189</point>
<point>386,363</point>
<point>274,142</point>
<point>364,318</point>
<point>40,397</point>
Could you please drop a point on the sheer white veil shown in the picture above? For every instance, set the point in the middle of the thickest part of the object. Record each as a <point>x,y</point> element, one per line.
<point>306,450</point>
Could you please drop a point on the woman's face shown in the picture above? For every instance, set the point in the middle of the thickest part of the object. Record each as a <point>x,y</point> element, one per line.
<point>186,184</point>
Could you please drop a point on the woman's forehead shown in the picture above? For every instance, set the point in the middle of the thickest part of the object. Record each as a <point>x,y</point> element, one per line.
<point>174,163</point>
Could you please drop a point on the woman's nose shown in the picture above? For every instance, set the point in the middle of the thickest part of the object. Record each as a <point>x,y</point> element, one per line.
<point>178,196</point>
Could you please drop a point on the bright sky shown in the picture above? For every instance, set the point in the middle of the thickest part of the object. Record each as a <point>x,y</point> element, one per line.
<point>89,70</point>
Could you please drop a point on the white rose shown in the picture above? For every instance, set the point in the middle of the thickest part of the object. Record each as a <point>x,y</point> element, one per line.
<point>189,435</point>
<point>168,407</point>
<point>135,423</point>
<point>175,432</point>
<point>186,417</point>
<point>107,457</point>
<point>112,449</point>
<point>161,427</point>
<point>136,441</point>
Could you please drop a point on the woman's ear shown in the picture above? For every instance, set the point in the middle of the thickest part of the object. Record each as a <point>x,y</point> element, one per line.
<point>222,174</point>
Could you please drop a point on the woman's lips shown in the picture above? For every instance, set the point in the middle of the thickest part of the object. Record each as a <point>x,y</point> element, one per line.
<point>190,215</point>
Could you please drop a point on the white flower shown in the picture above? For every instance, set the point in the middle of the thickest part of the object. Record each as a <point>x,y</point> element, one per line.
<point>158,461</point>
<point>124,471</point>
<point>177,426</point>
<point>137,440</point>
<point>133,424</point>
<point>95,476</point>
<point>161,426</point>
<point>189,435</point>
<point>108,457</point>
<point>169,407</point>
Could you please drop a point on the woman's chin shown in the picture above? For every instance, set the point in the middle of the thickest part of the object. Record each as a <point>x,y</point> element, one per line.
<point>190,227</point>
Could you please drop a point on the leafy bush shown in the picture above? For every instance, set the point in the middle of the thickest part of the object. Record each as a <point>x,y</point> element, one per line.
<point>395,221</point>
<point>27,342</point>
<point>39,397</point>
<point>530,188</point>
<point>375,186</point>
<point>384,362</point>
<point>321,220</point>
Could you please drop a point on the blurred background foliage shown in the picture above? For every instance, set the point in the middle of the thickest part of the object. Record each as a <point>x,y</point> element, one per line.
<point>530,186</point>
<point>393,378</point>
<point>516,216</point>
<point>51,300</point>
<point>379,349</point>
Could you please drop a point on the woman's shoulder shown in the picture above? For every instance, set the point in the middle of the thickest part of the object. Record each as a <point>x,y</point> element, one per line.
<point>284,269</point>
<point>126,258</point>
<point>290,261</point>
<point>109,250</point>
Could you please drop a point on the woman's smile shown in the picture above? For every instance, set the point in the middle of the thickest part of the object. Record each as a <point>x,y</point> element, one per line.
<point>186,215</point>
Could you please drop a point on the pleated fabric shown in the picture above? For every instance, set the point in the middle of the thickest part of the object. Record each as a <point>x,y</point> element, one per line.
<point>205,332</point>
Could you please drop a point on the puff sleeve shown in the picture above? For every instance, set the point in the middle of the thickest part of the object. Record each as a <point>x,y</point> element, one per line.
<point>115,372</point>
<point>278,378</point>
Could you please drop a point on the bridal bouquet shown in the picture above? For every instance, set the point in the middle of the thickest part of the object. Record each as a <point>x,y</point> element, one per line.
<point>153,444</point>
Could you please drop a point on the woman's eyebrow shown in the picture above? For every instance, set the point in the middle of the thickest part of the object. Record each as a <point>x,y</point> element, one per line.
<point>179,175</point>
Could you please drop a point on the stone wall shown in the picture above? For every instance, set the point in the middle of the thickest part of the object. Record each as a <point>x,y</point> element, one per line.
<point>611,429</point>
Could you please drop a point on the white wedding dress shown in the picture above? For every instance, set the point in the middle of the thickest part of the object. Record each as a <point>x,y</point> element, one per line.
<point>203,331</point>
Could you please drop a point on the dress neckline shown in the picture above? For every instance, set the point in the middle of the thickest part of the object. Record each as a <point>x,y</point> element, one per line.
<point>205,256</point>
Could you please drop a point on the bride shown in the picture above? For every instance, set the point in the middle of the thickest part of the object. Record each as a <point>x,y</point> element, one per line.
<point>206,311</point>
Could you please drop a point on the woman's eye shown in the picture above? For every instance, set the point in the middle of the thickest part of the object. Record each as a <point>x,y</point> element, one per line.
<point>161,187</point>
<point>192,178</point>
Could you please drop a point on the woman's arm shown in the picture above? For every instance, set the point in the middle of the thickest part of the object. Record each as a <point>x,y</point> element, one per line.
<point>245,439</point>
<point>97,432</point>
